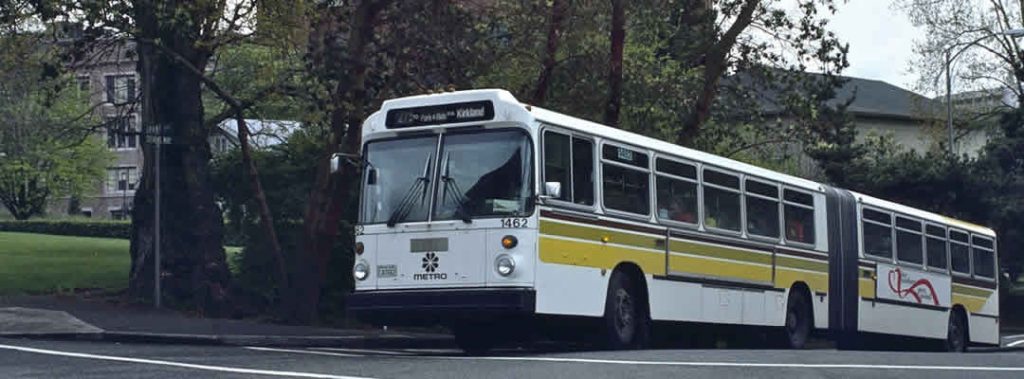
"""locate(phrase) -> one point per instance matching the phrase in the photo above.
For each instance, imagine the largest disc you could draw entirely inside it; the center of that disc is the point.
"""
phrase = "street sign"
(158, 134)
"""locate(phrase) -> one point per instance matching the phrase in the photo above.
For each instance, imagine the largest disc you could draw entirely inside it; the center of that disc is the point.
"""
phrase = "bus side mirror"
(371, 177)
(335, 163)
(553, 190)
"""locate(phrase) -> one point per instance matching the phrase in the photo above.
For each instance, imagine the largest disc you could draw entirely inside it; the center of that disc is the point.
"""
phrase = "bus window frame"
(892, 234)
(995, 260)
(778, 208)
(920, 234)
(739, 191)
(700, 193)
(600, 182)
(945, 242)
(782, 215)
(572, 185)
(970, 255)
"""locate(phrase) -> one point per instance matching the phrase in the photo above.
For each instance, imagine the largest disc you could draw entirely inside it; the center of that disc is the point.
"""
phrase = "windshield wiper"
(410, 199)
(457, 194)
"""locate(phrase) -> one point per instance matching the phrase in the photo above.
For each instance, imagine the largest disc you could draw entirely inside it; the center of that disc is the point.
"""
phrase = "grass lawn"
(40, 263)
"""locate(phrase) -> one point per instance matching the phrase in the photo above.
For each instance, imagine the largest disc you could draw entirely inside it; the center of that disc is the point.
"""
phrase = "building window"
(121, 133)
(83, 84)
(121, 180)
(120, 89)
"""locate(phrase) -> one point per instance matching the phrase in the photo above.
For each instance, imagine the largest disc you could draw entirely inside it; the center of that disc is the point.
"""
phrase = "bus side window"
(556, 162)
(877, 229)
(798, 214)
(582, 171)
(959, 252)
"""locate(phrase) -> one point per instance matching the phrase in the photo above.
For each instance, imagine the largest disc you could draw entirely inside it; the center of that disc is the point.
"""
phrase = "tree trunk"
(618, 42)
(559, 8)
(715, 63)
(194, 271)
(331, 192)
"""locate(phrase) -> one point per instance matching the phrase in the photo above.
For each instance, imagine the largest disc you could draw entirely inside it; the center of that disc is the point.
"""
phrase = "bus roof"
(924, 215)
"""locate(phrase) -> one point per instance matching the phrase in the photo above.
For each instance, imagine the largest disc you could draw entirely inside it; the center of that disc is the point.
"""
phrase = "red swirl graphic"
(896, 285)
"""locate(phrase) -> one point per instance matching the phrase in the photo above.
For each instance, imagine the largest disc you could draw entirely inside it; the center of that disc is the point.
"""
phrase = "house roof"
(873, 98)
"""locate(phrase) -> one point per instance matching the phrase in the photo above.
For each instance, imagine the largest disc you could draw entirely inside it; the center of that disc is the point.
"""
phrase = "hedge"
(104, 229)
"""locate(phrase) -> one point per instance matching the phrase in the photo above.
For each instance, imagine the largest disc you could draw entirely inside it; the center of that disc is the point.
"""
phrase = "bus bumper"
(433, 306)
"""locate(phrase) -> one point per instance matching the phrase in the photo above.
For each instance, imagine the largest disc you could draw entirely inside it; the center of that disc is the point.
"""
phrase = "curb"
(374, 342)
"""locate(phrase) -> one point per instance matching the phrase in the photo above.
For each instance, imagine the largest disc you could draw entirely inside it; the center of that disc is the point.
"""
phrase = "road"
(83, 359)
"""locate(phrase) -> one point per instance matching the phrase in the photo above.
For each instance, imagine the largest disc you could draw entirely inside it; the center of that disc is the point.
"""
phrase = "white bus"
(480, 212)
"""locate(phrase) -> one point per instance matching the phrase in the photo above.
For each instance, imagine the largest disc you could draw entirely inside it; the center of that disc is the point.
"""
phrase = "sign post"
(156, 135)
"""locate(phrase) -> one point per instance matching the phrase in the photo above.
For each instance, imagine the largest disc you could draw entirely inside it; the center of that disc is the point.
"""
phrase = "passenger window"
(676, 191)
(959, 252)
(762, 209)
(984, 257)
(626, 188)
(721, 200)
(909, 247)
(935, 245)
(798, 213)
(575, 174)
(877, 233)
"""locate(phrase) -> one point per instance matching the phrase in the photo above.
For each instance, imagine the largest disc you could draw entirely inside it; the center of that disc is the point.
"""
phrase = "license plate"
(387, 271)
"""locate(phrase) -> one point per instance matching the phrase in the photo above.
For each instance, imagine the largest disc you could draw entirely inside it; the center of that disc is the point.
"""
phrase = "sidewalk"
(97, 319)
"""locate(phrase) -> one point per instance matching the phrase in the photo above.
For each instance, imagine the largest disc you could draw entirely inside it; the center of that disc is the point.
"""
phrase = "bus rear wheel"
(798, 321)
(625, 321)
(956, 332)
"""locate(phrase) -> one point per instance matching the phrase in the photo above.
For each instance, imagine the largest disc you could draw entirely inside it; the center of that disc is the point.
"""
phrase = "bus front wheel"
(625, 320)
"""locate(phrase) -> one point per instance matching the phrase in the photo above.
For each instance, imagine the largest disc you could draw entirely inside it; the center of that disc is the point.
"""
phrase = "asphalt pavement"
(25, 358)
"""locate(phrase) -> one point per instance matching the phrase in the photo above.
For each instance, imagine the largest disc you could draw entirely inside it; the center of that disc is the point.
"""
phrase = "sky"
(881, 40)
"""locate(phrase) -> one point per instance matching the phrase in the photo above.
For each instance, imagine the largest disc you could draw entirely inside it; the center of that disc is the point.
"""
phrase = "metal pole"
(949, 104)
(124, 195)
(156, 250)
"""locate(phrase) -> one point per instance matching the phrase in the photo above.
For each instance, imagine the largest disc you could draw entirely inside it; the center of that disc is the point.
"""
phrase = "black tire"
(799, 321)
(473, 340)
(956, 332)
(625, 317)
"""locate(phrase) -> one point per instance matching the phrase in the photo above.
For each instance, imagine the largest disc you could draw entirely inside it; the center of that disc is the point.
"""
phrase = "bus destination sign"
(439, 114)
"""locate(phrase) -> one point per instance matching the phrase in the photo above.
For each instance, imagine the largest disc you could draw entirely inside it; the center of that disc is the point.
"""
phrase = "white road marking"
(692, 364)
(313, 352)
(310, 352)
(363, 351)
(1015, 343)
(236, 370)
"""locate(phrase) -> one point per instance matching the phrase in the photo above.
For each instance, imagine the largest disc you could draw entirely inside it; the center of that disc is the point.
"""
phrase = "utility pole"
(156, 249)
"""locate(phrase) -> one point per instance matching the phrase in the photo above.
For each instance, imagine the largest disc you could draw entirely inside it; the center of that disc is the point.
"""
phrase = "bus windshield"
(479, 174)
(484, 174)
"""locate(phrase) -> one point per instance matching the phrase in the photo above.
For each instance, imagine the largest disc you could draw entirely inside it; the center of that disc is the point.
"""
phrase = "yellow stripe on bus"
(597, 255)
(971, 291)
(972, 304)
(816, 282)
(866, 287)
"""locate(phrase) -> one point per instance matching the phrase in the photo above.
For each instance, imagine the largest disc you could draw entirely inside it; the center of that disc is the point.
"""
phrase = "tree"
(617, 40)
(46, 144)
(558, 11)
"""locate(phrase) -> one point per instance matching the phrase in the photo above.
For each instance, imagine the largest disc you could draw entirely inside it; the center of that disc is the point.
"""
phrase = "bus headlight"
(505, 265)
(361, 271)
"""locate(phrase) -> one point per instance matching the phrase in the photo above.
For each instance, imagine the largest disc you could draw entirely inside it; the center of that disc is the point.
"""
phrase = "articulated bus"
(478, 212)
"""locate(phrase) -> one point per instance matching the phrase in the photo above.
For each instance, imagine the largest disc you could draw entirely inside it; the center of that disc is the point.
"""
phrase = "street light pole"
(124, 194)
(1012, 33)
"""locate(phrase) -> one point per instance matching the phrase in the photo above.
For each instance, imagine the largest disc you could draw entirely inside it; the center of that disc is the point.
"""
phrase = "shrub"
(103, 229)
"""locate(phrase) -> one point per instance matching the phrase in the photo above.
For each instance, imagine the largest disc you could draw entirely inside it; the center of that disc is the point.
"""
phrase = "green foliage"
(35, 264)
(102, 229)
